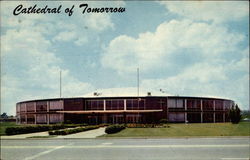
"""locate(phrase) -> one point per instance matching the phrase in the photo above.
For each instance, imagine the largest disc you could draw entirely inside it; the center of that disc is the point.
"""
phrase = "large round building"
(124, 109)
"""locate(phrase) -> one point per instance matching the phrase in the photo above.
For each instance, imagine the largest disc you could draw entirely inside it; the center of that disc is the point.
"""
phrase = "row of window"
(39, 106)
(196, 104)
(129, 104)
(40, 118)
(116, 118)
(196, 117)
(115, 104)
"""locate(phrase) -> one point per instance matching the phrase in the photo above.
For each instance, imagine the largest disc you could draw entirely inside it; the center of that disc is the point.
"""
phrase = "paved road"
(126, 149)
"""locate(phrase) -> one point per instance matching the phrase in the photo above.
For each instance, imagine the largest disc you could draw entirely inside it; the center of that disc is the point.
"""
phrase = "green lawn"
(4, 125)
(188, 130)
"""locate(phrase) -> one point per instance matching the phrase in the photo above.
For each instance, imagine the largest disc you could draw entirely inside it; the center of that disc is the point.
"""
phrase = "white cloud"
(81, 40)
(31, 70)
(216, 11)
(65, 36)
(99, 22)
(30, 67)
(204, 79)
(78, 28)
(152, 51)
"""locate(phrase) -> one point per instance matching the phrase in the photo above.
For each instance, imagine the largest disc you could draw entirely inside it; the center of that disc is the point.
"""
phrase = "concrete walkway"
(87, 134)
(21, 136)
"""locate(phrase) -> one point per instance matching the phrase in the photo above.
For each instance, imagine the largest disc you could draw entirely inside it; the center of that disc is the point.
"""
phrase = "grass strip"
(187, 130)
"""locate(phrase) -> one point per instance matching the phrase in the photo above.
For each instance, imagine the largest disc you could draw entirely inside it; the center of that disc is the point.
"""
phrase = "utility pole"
(138, 82)
(60, 84)
(138, 91)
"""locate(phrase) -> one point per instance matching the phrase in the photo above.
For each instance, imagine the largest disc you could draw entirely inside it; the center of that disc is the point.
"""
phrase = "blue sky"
(185, 48)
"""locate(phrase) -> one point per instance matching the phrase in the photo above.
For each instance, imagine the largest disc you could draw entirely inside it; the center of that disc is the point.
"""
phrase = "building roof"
(130, 92)
(124, 92)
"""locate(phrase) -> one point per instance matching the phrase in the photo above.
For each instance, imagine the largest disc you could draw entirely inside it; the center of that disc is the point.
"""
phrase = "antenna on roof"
(162, 91)
(97, 94)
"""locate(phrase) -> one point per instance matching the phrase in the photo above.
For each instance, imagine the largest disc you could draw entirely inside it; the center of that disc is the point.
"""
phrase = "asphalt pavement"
(126, 149)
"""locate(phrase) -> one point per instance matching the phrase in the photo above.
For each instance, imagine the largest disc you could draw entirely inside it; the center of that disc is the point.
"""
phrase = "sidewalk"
(87, 134)
(22, 136)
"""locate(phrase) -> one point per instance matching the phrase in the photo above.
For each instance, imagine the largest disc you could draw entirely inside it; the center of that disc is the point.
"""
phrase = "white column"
(25, 117)
(104, 105)
(47, 106)
(185, 105)
(47, 111)
(214, 104)
(63, 105)
(125, 104)
(201, 106)
(104, 115)
(35, 106)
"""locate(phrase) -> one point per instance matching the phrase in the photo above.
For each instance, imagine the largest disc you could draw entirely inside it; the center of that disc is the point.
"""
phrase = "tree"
(234, 114)
(4, 115)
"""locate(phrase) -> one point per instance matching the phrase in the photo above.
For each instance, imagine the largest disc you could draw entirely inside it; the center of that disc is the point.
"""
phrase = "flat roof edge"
(188, 97)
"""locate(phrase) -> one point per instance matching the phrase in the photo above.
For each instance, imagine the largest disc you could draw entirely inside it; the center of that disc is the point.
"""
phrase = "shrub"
(134, 125)
(163, 121)
(68, 122)
(31, 129)
(114, 129)
(75, 125)
(234, 114)
(71, 131)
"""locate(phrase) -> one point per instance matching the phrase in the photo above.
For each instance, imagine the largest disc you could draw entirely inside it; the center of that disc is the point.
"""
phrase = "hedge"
(134, 125)
(163, 121)
(114, 128)
(71, 131)
(38, 128)
(75, 125)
